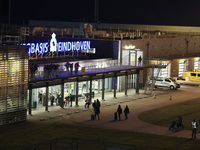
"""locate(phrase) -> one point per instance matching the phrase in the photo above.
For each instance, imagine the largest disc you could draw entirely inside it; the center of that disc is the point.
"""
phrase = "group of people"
(42, 98)
(119, 112)
(69, 67)
(178, 123)
(68, 99)
(52, 99)
(51, 70)
(32, 69)
(96, 105)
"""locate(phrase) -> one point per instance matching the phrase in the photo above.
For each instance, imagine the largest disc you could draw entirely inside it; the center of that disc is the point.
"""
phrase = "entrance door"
(132, 58)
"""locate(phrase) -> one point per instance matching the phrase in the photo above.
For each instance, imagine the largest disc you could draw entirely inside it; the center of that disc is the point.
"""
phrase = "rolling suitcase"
(115, 116)
(92, 117)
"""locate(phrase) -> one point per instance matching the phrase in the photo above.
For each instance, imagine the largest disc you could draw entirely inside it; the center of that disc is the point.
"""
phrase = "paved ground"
(137, 103)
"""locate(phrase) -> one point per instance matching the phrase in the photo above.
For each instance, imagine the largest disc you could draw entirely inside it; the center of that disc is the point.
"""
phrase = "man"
(40, 98)
(71, 67)
(139, 60)
(96, 107)
(67, 66)
(119, 111)
(76, 67)
(51, 99)
(194, 129)
(87, 102)
(126, 112)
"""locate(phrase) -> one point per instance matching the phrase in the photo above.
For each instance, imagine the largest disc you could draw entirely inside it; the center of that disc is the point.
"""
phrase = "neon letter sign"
(60, 46)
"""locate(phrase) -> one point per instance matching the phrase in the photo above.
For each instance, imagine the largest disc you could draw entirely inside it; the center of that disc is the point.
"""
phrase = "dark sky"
(148, 12)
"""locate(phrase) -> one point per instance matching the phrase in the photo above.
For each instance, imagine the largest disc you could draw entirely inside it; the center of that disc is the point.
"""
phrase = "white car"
(166, 82)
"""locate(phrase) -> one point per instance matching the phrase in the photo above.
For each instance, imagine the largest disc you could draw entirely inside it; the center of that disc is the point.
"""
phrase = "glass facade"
(13, 84)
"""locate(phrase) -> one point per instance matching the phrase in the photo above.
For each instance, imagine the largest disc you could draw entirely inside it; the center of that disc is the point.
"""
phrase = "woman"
(119, 111)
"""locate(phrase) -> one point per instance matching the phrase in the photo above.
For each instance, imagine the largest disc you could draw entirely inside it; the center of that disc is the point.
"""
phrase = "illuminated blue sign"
(60, 46)
(53, 43)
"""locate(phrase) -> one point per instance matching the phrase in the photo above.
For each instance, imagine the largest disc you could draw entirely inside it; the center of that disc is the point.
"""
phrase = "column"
(62, 93)
(90, 88)
(76, 91)
(47, 95)
(99, 86)
(137, 81)
(30, 100)
(103, 86)
(115, 84)
(126, 83)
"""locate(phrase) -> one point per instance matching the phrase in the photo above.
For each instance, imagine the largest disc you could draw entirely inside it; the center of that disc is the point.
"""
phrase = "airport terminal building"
(108, 57)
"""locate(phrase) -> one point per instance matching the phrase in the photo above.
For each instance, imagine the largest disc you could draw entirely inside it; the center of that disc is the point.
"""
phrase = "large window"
(165, 72)
(196, 64)
(182, 67)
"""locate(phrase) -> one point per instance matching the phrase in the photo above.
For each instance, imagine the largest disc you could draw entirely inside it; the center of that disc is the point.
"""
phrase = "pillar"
(30, 100)
(137, 81)
(47, 94)
(90, 88)
(62, 93)
(126, 83)
(76, 91)
(103, 86)
(115, 84)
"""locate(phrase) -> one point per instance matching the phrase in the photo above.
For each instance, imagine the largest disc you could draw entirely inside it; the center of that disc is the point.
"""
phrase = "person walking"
(52, 99)
(126, 112)
(180, 122)
(87, 102)
(70, 100)
(98, 103)
(96, 107)
(194, 129)
(119, 111)
(40, 97)
(44, 99)
(67, 98)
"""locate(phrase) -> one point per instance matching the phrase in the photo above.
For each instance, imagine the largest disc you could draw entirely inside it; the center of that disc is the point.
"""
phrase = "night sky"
(126, 11)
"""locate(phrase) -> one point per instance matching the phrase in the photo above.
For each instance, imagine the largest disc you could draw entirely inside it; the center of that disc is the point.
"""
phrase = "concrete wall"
(174, 68)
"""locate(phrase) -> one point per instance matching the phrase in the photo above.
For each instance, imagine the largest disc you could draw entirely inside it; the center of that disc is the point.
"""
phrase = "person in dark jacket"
(126, 111)
(52, 99)
(96, 109)
(119, 111)
(98, 103)
(40, 98)
(71, 67)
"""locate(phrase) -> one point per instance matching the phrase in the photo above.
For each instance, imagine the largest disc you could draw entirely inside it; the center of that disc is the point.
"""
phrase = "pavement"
(137, 104)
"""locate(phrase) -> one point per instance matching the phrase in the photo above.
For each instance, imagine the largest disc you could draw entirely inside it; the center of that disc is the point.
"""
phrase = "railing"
(90, 67)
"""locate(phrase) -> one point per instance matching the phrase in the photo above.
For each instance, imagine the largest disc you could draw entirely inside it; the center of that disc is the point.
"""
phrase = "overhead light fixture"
(129, 47)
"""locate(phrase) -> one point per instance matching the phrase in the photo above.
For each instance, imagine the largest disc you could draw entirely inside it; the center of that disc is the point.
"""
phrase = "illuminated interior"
(13, 84)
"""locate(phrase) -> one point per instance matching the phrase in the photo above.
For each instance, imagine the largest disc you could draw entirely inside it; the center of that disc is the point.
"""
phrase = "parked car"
(166, 82)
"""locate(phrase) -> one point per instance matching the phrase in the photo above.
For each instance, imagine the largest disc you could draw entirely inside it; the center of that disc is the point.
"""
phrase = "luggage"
(92, 117)
(115, 116)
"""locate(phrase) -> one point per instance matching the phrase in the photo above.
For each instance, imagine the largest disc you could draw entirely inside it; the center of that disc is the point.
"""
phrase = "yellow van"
(192, 76)
(197, 70)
